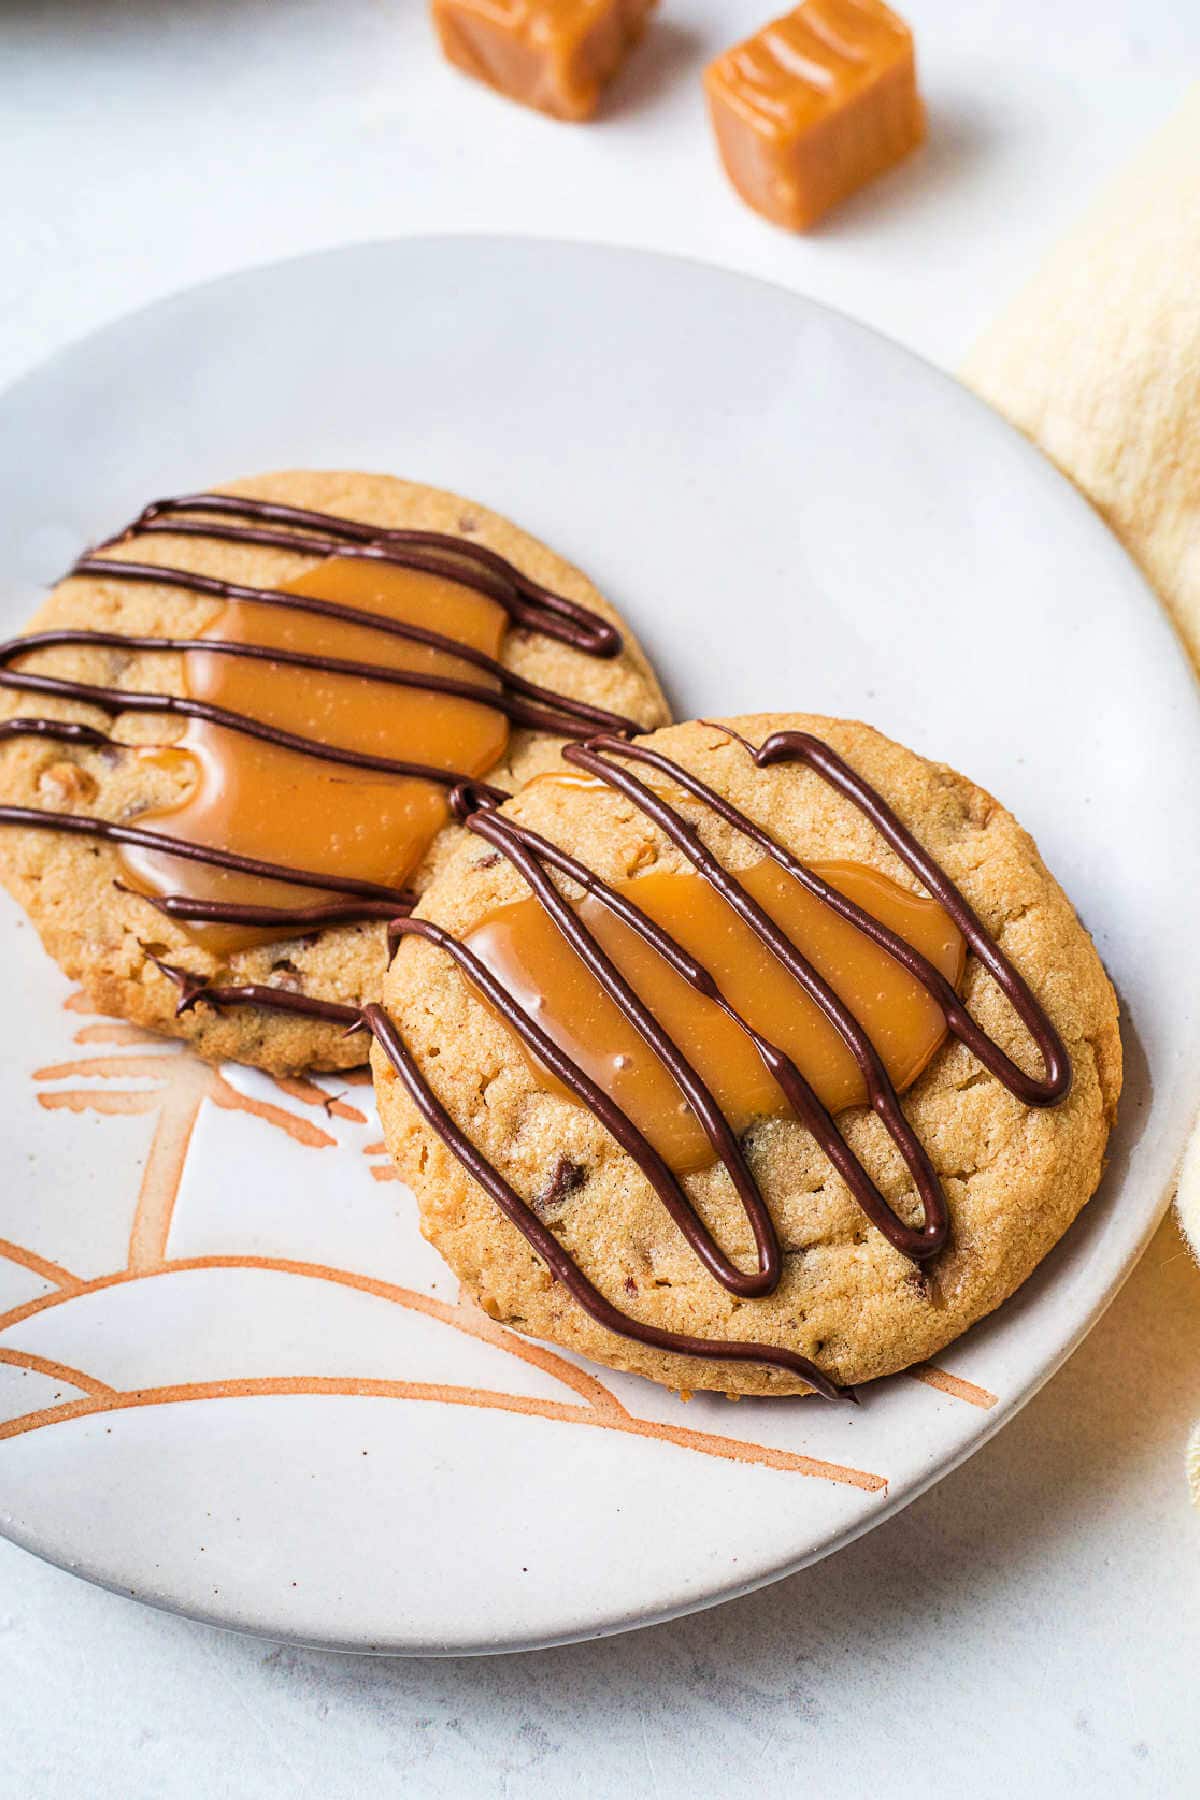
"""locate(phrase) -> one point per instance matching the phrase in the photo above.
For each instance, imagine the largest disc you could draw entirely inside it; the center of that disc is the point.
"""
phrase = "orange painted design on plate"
(954, 1385)
(56, 1371)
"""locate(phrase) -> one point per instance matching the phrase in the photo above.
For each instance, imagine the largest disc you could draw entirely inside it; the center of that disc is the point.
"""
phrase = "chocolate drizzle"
(526, 601)
(298, 918)
(532, 855)
(59, 731)
(240, 519)
(35, 820)
(193, 988)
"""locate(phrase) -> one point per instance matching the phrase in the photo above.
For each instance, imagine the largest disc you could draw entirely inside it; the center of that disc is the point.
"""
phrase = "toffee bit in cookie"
(814, 105)
(567, 1179)
(66, 784)
(285, 974)
(553, 55)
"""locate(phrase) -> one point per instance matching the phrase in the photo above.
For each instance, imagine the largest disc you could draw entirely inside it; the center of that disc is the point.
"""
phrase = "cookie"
(797, 1239)
(291, 740)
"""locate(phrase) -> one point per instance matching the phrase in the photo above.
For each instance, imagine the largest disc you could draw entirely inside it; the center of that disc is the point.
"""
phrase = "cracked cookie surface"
(1014, 1176)
(106, 938)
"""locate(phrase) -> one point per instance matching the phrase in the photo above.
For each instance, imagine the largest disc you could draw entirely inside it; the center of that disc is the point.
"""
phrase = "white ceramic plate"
(235, 1380)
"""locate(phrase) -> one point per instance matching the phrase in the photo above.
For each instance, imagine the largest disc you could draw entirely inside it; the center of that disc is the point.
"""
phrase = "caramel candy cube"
(555, 55)
(814, 105)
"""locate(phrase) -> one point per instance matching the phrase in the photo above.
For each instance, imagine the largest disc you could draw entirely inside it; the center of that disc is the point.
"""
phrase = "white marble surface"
(1031, 1627)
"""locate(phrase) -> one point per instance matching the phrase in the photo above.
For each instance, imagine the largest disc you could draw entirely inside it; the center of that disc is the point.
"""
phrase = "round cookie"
(108, 939)
(1014, 1176)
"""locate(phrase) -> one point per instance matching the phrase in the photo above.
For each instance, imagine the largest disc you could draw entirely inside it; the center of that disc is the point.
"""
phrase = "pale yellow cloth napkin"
(1098, 361)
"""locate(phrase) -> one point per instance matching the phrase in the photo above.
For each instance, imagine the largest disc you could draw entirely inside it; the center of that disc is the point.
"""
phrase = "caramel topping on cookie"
(814, 105)
(325, 721)
(266, 801)
(525, 950)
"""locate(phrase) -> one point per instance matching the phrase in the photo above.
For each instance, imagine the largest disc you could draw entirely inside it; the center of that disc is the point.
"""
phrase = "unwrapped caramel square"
(814, 105)
(555, 55)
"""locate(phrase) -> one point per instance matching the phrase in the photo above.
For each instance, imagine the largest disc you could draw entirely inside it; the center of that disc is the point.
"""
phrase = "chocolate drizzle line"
(302, 918)
(193, 988)
(526, 601)
(62, 731)
(296, 529)
(531, 854)
(33, 819)
(569, 718)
